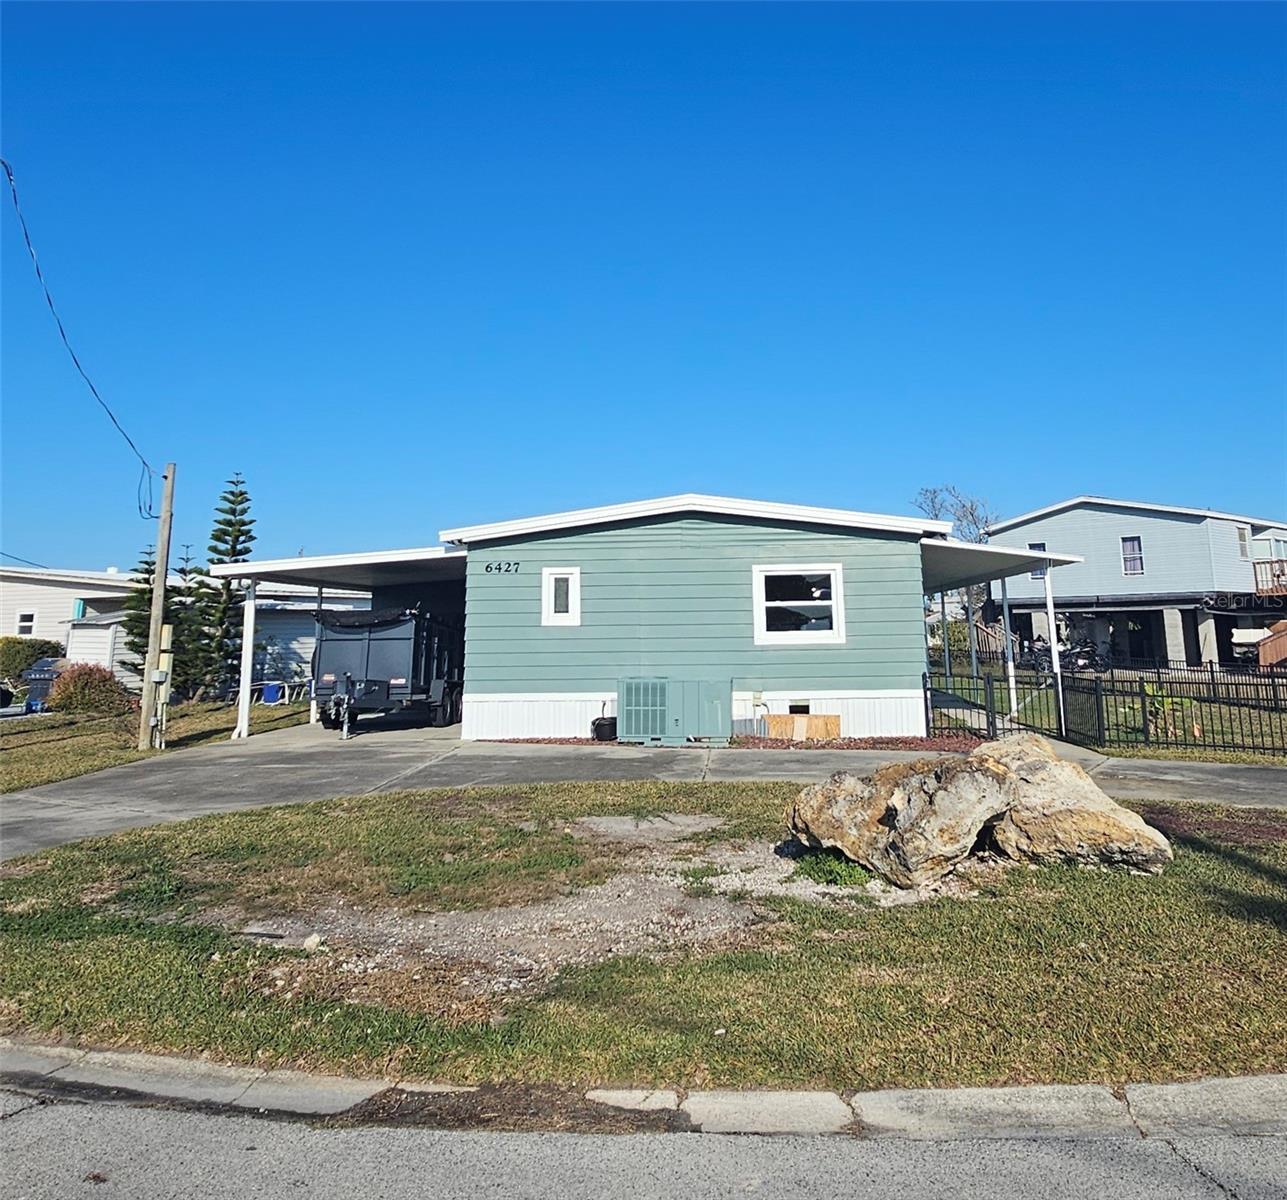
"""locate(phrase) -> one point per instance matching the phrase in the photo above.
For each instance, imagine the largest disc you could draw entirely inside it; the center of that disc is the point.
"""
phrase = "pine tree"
(230, 542)
(190, 601)
(138, 612)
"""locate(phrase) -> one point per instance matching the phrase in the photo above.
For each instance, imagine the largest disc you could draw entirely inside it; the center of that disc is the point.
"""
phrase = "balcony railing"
(1271, 576)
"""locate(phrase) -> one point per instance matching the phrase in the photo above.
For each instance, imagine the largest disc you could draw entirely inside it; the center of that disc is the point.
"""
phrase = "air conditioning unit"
(671, 712)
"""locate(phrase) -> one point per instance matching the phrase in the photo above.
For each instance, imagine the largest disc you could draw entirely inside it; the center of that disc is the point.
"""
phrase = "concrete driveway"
(309, 763)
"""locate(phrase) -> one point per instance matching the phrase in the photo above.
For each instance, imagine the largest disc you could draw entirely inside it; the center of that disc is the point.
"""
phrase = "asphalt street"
(57, 1150)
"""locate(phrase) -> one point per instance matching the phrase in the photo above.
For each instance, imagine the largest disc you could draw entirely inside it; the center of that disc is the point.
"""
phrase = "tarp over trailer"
(376, 572)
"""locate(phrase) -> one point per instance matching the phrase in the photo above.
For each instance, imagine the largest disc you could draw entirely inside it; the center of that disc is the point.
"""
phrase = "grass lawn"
(46, 748)
(1055, 974)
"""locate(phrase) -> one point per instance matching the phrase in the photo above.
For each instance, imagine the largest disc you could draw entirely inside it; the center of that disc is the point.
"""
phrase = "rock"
(312, 942)
(1061, 815)
(912, 823)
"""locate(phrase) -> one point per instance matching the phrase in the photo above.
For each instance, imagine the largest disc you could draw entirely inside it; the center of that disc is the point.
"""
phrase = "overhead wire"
(143, 492)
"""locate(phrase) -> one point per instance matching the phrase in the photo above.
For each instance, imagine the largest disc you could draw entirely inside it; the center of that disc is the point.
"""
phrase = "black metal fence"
(1186, 708)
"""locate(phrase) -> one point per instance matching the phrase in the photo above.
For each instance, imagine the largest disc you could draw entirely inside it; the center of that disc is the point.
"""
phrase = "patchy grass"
(1175, 754)
(50, 747)
(831, 867)
(1051, 975)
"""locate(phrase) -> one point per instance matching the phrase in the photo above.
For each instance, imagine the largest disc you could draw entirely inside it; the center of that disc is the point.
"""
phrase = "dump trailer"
(385, 661)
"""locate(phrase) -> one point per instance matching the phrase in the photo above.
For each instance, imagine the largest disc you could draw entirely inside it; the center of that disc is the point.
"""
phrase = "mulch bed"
(962, 743)
(938, 745)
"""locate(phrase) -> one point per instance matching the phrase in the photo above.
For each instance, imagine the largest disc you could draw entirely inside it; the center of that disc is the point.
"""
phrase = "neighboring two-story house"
(1159, 582)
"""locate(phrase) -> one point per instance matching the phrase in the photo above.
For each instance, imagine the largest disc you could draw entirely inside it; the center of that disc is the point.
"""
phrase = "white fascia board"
(1140, 505)
(278, 566)
(693, 502)
(993, 548)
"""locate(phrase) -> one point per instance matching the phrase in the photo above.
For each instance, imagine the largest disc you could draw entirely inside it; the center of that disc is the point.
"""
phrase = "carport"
(392, 578)
(948, 565)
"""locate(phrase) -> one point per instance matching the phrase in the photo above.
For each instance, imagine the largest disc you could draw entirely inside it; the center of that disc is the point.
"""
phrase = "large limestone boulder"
(912, 823)
(1061, 815)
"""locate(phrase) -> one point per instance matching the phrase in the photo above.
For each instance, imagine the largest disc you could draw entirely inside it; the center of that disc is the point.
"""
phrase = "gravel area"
(673, 893)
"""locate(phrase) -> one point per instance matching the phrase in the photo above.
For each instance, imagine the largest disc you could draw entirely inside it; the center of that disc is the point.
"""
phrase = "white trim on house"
(1143, 506)
(32, 615)
(495, 716)
(693, 502)
(549, 615)
(835, 636)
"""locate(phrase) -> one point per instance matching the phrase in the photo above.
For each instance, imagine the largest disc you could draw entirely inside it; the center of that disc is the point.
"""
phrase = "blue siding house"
(1158, 582)
(787, 608)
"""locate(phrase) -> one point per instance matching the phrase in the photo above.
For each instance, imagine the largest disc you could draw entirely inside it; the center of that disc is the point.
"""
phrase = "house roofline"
(693, 502)
(1109, 502)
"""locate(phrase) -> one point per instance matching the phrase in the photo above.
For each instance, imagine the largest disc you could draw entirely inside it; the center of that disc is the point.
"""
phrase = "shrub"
(89, 688)
(18, 653)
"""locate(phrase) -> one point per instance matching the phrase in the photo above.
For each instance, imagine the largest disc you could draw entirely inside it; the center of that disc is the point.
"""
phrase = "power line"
(145, 478)
(25, 561)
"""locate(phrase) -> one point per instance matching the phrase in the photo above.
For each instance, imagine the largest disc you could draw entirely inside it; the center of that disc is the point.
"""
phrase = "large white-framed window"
(1244, 541)
(1132, 556)
(560, 595)
(1037, 572)
(799, 604)
(25, 625)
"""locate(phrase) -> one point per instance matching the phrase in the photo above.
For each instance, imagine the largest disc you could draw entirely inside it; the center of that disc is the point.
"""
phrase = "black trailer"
(385, 661)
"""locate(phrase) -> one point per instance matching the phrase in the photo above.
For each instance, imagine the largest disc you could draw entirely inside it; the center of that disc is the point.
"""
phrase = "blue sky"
(409, 267)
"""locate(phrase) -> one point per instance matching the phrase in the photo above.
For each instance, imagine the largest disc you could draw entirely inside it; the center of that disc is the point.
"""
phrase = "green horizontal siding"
(674, 597)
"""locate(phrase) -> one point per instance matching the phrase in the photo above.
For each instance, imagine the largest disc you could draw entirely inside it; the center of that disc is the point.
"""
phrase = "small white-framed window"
(799, 604)
(1037, 572)
(1244, 541)
(560, 595)
(1132, 556)
(25, 626)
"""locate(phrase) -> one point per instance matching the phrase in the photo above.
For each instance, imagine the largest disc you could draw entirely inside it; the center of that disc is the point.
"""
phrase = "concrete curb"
(1250, 1106)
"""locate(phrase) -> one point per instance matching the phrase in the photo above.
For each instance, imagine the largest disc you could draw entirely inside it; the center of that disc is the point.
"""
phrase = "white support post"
(242, 729)
(1054, 650)
(1009, 648)
(969, 627)
(312, 683)
(947, 650)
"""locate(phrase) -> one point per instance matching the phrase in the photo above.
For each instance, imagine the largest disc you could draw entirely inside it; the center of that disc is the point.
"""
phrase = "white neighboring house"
(84, 610)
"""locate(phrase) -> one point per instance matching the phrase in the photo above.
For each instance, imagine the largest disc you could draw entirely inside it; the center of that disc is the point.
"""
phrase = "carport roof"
(361, 572)
(947, 564)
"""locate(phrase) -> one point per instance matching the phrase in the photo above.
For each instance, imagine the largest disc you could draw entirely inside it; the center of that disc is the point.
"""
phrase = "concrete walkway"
(309, 763)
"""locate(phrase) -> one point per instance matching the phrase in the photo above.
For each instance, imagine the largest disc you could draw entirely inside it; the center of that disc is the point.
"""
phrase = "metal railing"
(1271, 576)
(1190, 709)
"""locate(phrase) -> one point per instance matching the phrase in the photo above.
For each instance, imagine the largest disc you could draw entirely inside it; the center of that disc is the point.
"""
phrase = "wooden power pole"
(147, 713)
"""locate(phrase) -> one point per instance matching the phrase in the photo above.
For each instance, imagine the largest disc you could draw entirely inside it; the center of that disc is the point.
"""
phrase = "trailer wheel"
(442, 712)
(457, 706)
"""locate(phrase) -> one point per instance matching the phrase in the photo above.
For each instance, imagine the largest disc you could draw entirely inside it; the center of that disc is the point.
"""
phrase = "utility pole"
(147, 712)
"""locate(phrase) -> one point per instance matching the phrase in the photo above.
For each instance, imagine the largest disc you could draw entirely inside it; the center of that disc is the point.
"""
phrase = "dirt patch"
(351, 974)
(500, 951)
(1249, 827)
(516, 1108)
(669, 827)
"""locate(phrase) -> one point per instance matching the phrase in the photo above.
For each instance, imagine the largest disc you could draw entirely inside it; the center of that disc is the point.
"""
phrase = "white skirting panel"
(893, 712)
(491, 716)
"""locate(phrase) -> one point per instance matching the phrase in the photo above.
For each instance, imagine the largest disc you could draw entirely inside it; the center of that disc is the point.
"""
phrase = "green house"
(770, 608)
